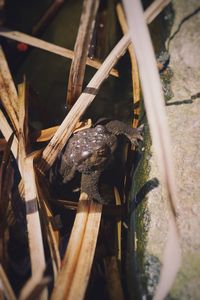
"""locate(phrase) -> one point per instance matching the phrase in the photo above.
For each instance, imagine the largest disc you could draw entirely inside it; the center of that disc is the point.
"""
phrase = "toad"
(90, 151)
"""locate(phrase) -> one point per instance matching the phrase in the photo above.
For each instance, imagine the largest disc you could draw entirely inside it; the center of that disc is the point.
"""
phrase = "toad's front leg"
(89, 185)
(133, 134)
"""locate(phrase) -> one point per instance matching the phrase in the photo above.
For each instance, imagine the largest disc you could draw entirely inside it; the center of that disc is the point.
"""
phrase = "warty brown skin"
(90, 151)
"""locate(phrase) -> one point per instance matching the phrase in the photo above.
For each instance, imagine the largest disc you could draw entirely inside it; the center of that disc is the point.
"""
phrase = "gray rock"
(184, 123)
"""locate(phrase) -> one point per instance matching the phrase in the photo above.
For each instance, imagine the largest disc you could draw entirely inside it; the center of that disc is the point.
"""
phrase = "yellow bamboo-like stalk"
(134, 66)
(154, 9)
(5, 286)
(7, 131)
(38, 43)
(114, 285)
(52, 235)
(46, 134)
(81, 48)
(119, 226)
(65, 276)
(8, 93)
(83, 267)
(35, 287)
(35, 241)
(2, 143)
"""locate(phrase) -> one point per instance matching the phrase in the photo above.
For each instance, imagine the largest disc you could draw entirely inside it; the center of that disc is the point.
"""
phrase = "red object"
(22, 47)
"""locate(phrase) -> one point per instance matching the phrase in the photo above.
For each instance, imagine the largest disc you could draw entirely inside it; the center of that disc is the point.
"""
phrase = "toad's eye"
(100, 128)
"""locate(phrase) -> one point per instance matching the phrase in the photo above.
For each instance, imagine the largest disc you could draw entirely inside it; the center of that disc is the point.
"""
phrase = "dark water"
(47, 73)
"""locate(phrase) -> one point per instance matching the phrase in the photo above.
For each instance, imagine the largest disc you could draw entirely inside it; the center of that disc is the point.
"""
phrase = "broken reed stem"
(47, 16)
(86, 256)
(8, 93)
(46, 215)
(83, 39)
(65, 276)
(119, 226)
(35, 241)
(7, 131)
(155, 9)
(2, 143)
(35, 287)
(5, 286)
(113, 279)
(134, 66)
(36, 247)
(35, 42)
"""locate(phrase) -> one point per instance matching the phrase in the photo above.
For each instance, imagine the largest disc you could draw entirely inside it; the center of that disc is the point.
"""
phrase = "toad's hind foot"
(89, 185)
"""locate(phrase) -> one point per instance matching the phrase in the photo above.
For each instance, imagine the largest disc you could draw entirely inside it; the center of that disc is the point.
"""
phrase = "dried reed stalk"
(38, 43)
(7, 131)
(154, 9)
(119, 226)
(35, 287)
(51, 234)
(2, 144)
(83, 39)
(86, 255)
(113, 280)
(47, 16)
(65, 276)
(6, 183)
(5, 286)
(155, 109)
(8, 93)
(28, 177)
(134, 66)
(46, 134)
